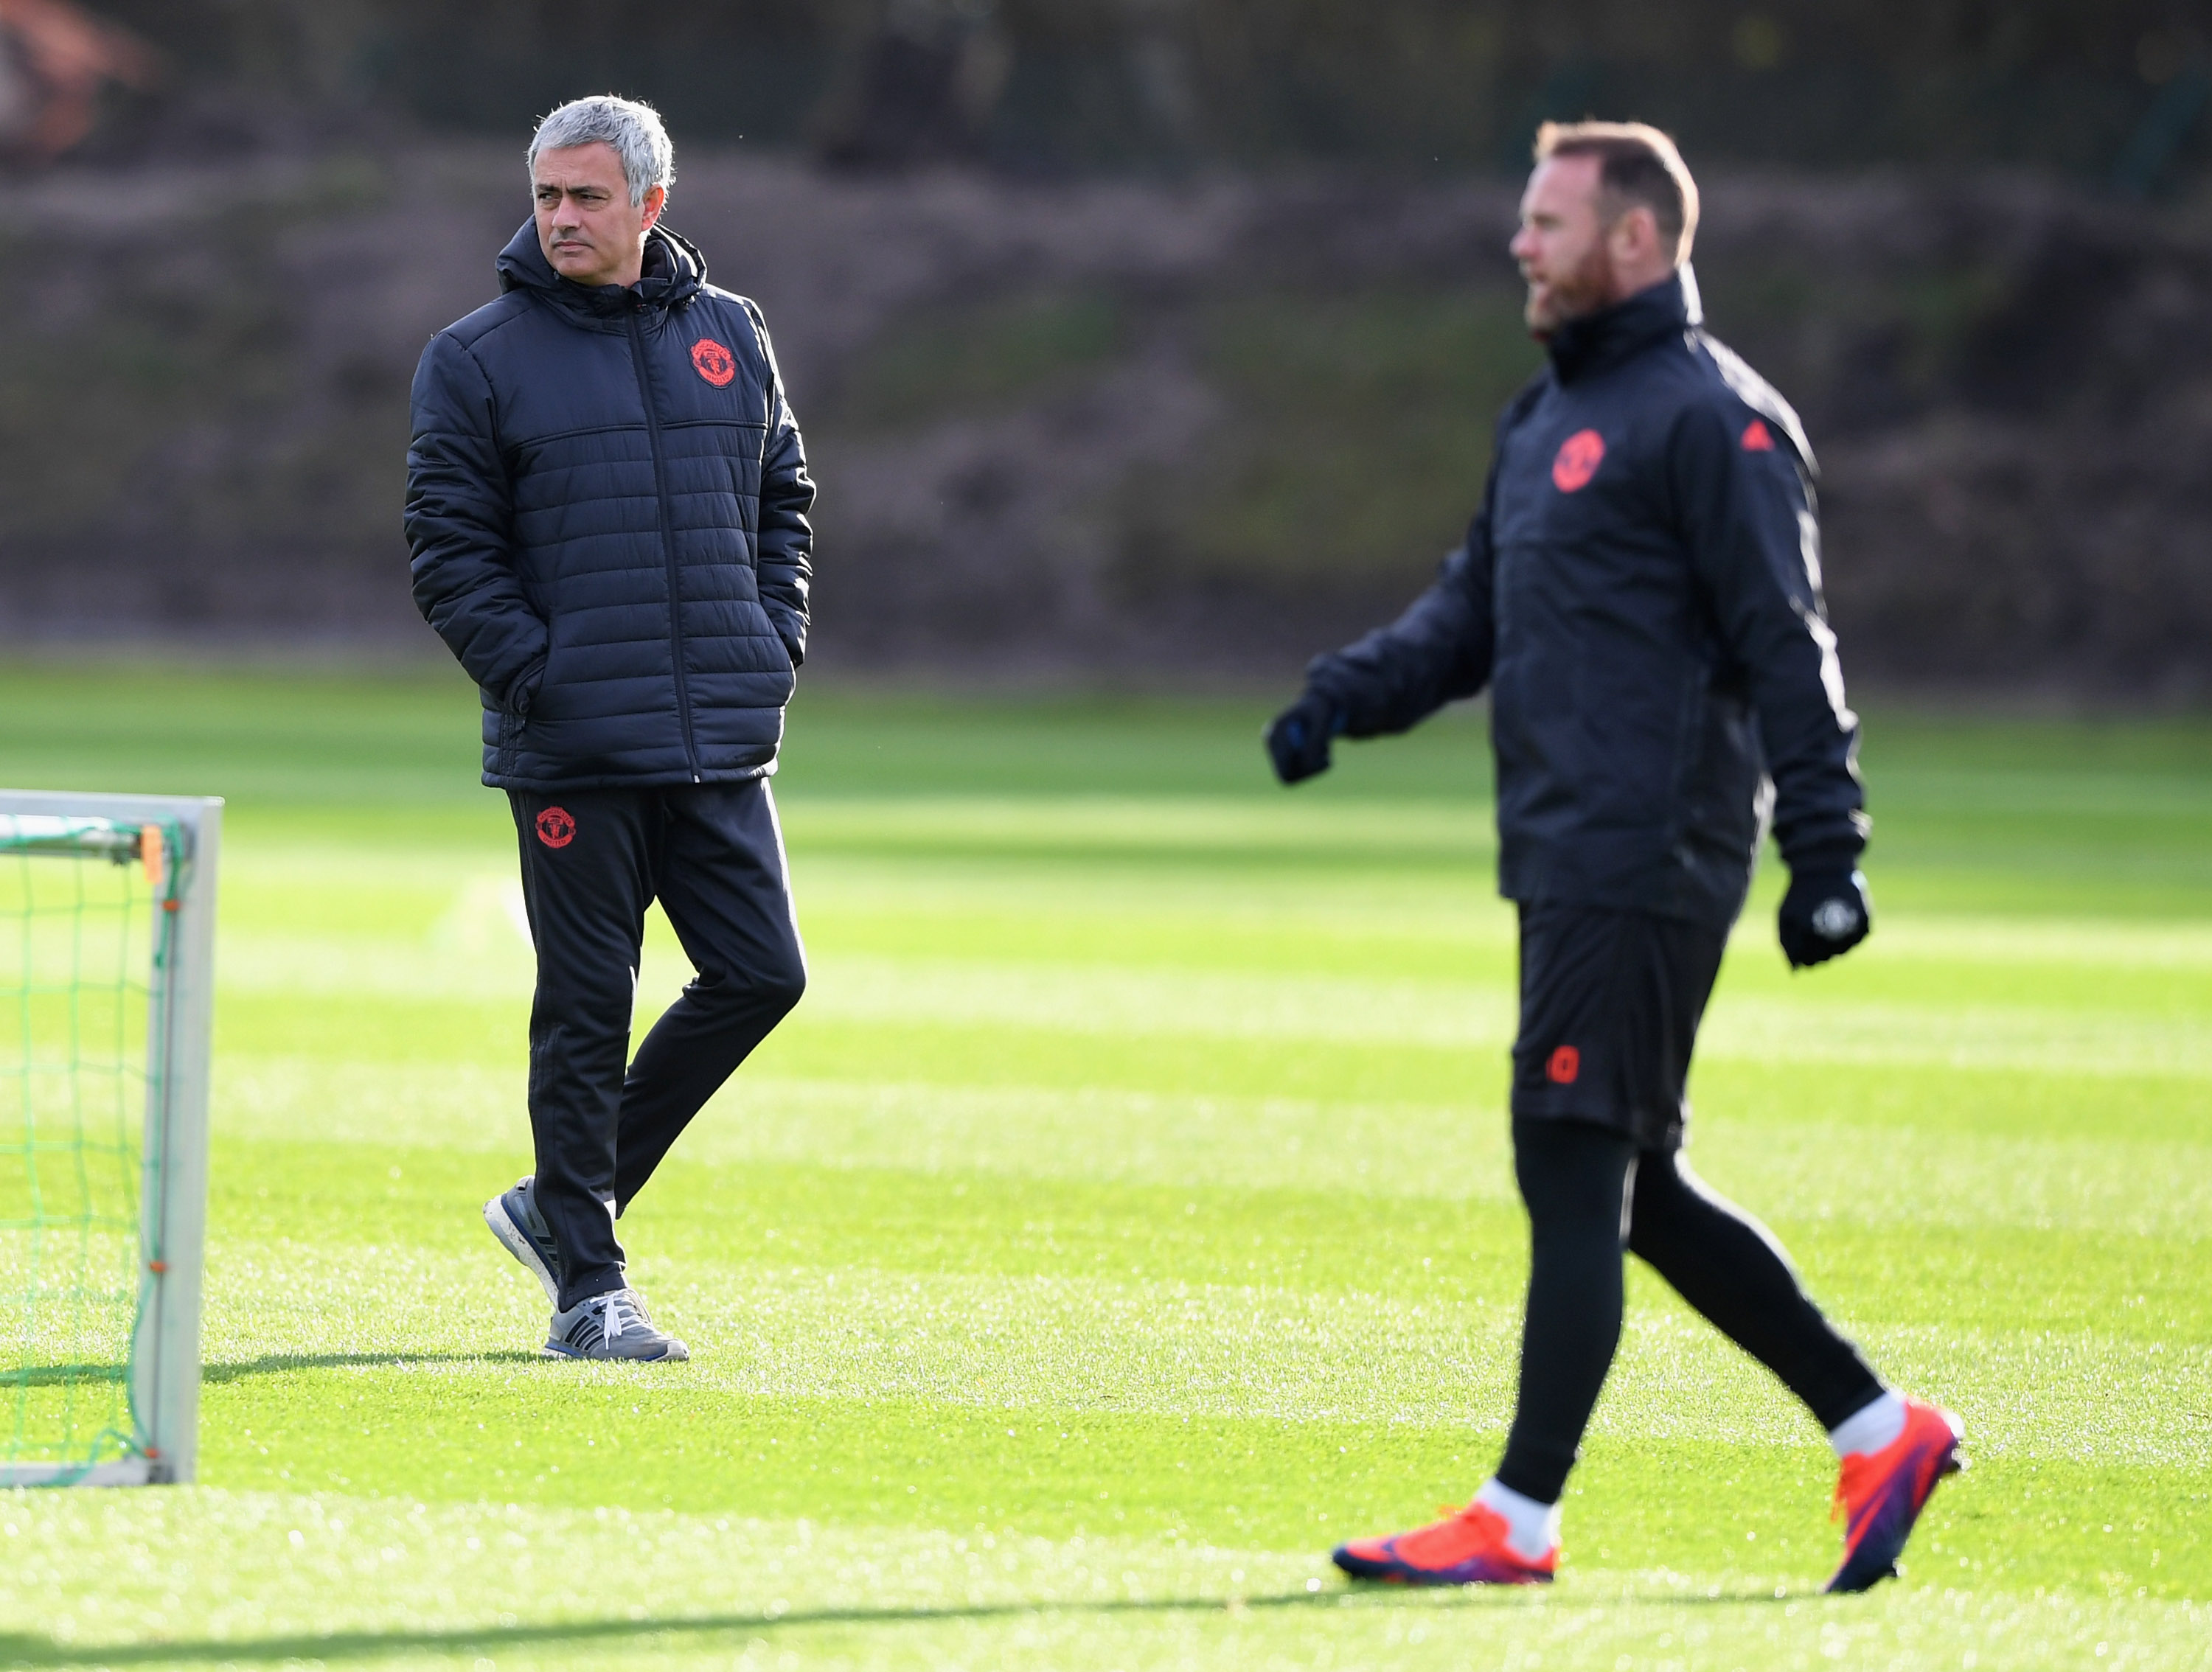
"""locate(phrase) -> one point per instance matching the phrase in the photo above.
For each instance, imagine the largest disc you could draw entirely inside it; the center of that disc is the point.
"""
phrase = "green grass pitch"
(1125, 1218)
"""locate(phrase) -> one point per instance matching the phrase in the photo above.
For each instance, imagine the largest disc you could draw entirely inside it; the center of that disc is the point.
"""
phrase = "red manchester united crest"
(554, 828)
(715, 363)
(1579, 456)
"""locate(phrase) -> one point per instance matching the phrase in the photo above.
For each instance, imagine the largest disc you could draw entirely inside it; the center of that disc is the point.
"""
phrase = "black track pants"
(593, 860)
(1589, 1192)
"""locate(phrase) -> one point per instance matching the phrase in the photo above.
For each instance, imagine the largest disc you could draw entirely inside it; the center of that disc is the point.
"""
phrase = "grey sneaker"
(611, 1326)
(513, 1218)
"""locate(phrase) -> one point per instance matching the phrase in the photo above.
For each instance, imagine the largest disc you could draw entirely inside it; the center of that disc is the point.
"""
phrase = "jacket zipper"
(667, 544)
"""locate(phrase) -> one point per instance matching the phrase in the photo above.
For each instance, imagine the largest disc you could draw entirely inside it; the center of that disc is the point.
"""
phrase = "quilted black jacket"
(1641, 591)
(606, 502)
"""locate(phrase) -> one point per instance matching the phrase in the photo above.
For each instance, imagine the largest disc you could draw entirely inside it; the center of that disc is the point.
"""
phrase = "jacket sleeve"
(1438, 651)
(459, 524)
(787, 538)
(1747, 515)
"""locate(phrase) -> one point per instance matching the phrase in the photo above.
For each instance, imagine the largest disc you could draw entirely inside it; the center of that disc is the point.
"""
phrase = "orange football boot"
(1467, 1547)
(1882, 1493)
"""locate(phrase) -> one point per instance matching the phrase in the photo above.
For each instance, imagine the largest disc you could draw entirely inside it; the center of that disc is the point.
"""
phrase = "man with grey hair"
(607, 505)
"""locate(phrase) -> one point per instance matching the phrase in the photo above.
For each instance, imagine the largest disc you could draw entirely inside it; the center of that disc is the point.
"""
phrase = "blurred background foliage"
(1456, 84)
(1158, 335)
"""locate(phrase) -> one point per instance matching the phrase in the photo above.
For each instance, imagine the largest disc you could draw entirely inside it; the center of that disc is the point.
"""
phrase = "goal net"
(106, 908)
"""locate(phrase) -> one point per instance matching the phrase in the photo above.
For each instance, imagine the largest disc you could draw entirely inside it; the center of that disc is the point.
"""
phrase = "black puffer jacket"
(1641, 591)
(606, 501)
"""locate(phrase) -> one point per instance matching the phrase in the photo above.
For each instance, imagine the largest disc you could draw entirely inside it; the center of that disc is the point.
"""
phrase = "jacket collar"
(675, 272)
(1598, 341)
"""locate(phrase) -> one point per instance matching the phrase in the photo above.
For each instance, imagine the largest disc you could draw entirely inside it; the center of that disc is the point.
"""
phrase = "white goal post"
(55, 1354)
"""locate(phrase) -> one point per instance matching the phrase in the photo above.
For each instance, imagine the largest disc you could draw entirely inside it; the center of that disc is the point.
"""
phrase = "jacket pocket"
(1686, 783)
(522, 690)
(785, 663)
(787, 675)
(545, 701)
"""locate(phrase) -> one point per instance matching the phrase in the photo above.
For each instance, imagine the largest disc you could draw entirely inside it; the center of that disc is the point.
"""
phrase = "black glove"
(1298, 741)
(1826, 913)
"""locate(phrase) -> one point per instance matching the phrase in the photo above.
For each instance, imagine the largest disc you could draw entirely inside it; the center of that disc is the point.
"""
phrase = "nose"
(1523, 246)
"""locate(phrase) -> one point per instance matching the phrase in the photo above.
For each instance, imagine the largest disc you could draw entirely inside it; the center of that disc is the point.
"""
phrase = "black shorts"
(1610, 1003)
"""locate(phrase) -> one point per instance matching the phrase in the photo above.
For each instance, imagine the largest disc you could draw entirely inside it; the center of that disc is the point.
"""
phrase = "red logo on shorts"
(715, 363)
(1580, 455)
(1566, 1064)
(554, 828)
(1755, 437)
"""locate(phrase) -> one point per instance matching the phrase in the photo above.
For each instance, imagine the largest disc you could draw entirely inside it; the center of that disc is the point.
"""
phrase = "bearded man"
(1641, 593)
(606, 501)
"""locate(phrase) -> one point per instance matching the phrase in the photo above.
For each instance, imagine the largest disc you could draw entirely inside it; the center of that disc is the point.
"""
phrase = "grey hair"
(631, 125)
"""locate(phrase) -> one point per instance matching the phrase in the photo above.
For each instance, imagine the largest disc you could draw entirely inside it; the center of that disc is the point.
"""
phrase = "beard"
(1584, 289)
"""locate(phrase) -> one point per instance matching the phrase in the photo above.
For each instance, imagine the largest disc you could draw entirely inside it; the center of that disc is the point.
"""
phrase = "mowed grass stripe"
(1450, 1152)
(862, 1283)
(1133, 1002)
(706, 1589)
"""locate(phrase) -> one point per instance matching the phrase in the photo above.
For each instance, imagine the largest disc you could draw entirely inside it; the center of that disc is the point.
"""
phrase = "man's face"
(587, 227)
(1564, 246)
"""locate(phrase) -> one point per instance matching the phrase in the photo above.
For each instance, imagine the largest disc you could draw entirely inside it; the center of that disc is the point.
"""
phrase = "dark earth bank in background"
(1171, 430)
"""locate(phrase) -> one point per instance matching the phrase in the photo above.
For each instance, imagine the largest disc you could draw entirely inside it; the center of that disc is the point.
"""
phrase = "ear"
(1635, 236)
(656, 199)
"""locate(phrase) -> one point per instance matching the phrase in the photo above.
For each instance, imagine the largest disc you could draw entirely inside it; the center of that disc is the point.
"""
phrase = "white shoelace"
(624, 1312)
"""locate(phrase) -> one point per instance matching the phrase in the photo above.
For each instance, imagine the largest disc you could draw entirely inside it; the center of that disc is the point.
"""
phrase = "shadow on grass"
(271, 1364)
(21, 1649)
(61, 1376)
(276, 1364)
